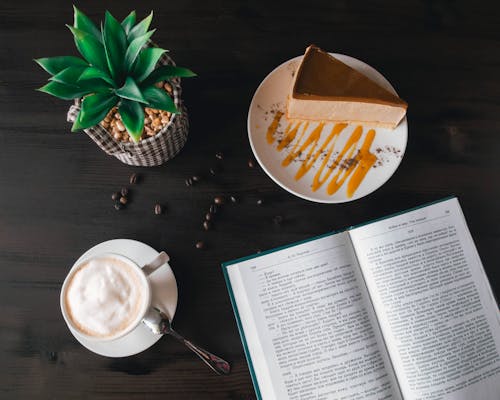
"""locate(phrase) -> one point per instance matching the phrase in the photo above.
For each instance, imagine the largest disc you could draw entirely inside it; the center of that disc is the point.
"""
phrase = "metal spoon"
(160, 324)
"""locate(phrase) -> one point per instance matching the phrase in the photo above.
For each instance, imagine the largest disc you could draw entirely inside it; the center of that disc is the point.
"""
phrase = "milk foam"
(104, 297)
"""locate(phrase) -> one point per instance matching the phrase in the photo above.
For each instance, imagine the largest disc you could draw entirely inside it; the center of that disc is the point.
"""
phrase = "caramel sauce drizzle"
(359, 163)
(310, 142)
(290, 133)
(271, 130)
(365, 162)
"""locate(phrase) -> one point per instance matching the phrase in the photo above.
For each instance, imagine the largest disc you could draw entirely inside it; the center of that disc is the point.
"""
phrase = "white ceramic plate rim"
(403, 123)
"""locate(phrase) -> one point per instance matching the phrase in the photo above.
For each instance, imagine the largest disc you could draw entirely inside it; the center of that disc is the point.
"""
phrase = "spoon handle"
(219, 365)
(159, 324)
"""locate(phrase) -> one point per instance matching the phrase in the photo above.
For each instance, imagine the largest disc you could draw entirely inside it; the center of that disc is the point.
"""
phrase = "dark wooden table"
(442, 56)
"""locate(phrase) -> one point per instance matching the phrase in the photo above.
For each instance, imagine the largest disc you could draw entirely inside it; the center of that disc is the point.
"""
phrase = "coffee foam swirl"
(104, 297)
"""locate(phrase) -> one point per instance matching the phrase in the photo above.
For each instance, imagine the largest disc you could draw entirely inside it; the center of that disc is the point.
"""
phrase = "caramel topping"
(323, 77)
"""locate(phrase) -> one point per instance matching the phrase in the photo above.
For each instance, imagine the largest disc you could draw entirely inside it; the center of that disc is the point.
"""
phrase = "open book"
(399, 308)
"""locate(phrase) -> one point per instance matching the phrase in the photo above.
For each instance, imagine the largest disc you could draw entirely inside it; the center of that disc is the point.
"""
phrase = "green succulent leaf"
(140, 29)
(95, 86)
(129, 22)
(77, 124)
(115, 45)
(54, 65)
(82, 22)
(159, 99)
(95, 73)
(134, 49)
(64, 91)
(167, 72)
(94, 109)
(90, 48)
(130, 91)
(117, 67)
(69, 75)
(97, 103)
(132, 115)
(146, 62)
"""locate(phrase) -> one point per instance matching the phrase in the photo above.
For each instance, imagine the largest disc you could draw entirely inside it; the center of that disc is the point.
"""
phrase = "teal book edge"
(242, 335)
(239, 260)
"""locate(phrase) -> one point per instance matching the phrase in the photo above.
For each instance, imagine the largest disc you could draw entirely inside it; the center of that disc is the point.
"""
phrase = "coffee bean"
(133, 178)
(219, 155)
(115, 196)
(189, 182)
(158, 209)
(213, 171)
(233, 199)
(251, 163)
(213, 208)
(123, 200)
(260, 202)
(196, 178)
(200, 245)
(208, 216)
(278, 219)
(118, 206)
(207, 225)
(52, 356)
(219, 200)
(124, 191)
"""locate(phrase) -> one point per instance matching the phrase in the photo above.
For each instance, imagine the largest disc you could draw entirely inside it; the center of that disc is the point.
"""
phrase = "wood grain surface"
(443, 56)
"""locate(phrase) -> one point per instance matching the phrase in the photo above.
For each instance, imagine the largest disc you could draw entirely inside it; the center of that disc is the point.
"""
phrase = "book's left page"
(307, 326)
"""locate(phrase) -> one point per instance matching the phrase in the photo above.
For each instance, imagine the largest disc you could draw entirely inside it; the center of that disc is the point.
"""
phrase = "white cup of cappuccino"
(106, 297)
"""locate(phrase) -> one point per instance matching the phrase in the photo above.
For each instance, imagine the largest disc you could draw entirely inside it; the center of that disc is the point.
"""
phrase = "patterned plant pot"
(154, 150)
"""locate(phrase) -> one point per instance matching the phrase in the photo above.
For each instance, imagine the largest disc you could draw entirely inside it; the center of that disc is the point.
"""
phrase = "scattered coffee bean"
(208, 216)
(213, 209)
(219, 200)
(233, 199)
(213, 171)
(123, 200)
(115, 196)
(207, 225)
(278, 219)
(124, 191)
(251, 163)
(118, 206)
(189, 181)
(219, 155)
(196, 178)
(200, 245)
(52, 356)
(260, 202)
(158, 209)
(133, 178)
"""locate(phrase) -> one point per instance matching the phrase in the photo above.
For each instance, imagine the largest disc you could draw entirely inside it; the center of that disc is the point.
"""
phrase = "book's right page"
(438, 315)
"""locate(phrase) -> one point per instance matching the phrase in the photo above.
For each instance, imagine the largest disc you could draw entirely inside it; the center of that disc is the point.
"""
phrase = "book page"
(436, 309)
(307, 325)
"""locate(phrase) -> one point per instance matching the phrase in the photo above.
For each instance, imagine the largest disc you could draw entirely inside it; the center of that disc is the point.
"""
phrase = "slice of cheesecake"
(326, 89)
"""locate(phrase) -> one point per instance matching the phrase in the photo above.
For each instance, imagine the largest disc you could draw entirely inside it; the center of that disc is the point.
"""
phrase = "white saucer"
(163, 286)
(271, 96)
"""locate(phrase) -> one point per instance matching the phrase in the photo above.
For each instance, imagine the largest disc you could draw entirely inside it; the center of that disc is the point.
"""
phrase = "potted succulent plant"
(126, 90)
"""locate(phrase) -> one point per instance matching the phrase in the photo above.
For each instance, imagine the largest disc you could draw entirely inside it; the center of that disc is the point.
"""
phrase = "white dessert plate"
(163, 287)
(271, 98)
